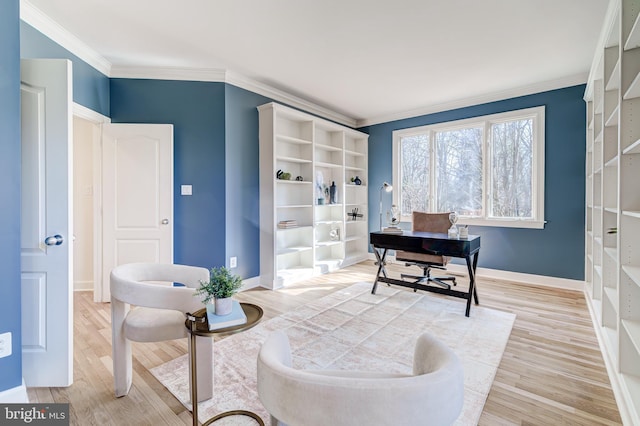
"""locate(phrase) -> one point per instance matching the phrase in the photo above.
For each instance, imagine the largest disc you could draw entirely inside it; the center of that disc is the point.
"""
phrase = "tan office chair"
(427, 222)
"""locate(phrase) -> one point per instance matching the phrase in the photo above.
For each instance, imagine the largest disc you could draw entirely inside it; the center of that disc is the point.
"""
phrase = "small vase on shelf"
(223, 306)
(333, 193)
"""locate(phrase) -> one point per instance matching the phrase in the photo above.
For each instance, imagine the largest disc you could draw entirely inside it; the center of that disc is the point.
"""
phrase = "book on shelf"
(392, 230)
(287, 224)
(236, 317)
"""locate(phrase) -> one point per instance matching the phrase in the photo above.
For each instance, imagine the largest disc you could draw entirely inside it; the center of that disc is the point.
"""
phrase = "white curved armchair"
(432, 395)
(158, 315)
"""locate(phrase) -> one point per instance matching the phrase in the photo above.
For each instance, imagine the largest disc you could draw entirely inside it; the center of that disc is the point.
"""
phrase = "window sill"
(503, 223)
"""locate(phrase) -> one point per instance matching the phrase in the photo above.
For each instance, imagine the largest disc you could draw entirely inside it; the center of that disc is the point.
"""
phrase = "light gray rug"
(353, 329)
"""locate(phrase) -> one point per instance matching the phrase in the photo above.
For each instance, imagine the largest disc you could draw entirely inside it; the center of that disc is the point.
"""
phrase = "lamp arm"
(381, 208)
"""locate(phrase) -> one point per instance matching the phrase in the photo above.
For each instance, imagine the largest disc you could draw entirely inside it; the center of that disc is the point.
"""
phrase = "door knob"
(165, 221)
(54, 240)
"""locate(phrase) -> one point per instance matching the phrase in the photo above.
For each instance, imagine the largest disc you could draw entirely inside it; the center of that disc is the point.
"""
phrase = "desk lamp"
(386, 187)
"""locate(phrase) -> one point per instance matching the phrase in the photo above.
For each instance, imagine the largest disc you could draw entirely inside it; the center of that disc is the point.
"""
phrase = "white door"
(46, 231)
(137, 196)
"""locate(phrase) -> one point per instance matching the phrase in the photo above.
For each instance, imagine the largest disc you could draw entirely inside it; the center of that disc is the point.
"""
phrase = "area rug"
(354, 329)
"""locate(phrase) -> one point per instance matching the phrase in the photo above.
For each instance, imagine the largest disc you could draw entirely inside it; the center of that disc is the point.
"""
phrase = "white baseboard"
(518, 277)
(250, 283)
(17, 395)
(83, 285)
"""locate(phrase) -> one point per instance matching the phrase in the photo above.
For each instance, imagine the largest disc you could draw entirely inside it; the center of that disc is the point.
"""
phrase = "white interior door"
(137, 196)
(46, 230)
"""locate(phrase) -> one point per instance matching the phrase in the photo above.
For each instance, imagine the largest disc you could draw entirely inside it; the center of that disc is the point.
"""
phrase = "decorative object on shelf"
(453, 231)
(393, 216)
(354, 214)
(283, 175)
(334, 234)
(357, 181)
(299, 178)
(319, 187)
(393, 219)
(333, 189)
(612, 230)
(386, 187)
(222, 285)
(286, 224)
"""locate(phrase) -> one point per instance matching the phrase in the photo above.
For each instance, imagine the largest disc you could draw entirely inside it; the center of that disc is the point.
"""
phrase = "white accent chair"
(432, 395)
(158, 315)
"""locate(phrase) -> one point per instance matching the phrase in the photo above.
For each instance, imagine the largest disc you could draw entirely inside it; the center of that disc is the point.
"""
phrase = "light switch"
(186, 190)
(5, 344)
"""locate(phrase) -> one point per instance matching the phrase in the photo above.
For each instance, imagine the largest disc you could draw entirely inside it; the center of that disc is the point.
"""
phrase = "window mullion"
(432, 171)
(486, 170)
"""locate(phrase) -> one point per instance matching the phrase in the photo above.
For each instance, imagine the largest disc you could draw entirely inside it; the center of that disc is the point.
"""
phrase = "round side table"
(197, 325)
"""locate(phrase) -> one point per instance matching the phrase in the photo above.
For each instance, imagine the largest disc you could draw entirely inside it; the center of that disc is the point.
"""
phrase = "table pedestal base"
(254, 416)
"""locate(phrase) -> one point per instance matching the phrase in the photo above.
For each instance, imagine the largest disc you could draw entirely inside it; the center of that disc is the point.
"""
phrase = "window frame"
(485, 122)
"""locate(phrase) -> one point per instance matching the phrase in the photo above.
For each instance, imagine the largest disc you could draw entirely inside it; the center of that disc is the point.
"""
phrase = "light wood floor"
(551, 373)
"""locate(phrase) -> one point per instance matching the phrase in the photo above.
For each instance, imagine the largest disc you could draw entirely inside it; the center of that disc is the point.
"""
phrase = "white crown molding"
(41, 22)
(291, 100)
(169, 73)
(481, 99)
(229, 77)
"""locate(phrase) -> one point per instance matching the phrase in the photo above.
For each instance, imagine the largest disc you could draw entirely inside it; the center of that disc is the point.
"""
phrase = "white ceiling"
(370, 60)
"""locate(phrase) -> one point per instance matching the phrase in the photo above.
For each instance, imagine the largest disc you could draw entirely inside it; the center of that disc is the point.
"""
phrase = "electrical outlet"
(233, 262)
(5, 344)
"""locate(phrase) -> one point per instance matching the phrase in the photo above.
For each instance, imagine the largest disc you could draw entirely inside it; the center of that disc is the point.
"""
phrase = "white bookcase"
(612, 240)
(322, 236)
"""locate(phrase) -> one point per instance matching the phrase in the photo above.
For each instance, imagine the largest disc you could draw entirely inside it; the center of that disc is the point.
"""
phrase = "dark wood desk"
(427, 243)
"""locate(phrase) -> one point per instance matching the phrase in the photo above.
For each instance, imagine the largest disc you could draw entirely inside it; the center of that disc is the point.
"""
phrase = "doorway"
(84, 203)
(122, 197)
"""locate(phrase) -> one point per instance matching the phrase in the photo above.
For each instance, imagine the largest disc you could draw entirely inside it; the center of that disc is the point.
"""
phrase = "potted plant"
(221, 286)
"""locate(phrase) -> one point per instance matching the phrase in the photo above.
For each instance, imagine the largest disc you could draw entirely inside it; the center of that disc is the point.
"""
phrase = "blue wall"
(558, 249)
(90, 87)
(10, 303)
(242, 179)
(197, 112)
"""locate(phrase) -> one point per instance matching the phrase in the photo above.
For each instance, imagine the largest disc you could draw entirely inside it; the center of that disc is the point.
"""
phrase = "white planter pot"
(223, 306)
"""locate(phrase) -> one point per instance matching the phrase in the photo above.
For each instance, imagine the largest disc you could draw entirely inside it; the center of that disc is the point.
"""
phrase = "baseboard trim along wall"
(83, 285)
(250, 283)
(17, 395)
(461, 270)
(518, 277)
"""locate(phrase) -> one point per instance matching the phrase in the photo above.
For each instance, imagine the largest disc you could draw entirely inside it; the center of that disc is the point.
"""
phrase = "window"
(489, 169)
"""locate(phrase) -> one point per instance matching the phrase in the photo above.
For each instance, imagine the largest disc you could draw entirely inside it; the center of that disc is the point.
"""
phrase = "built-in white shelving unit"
(612, 236)
(323, 235)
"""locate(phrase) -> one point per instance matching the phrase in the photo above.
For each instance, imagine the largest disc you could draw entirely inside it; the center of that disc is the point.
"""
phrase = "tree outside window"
(488, 169)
